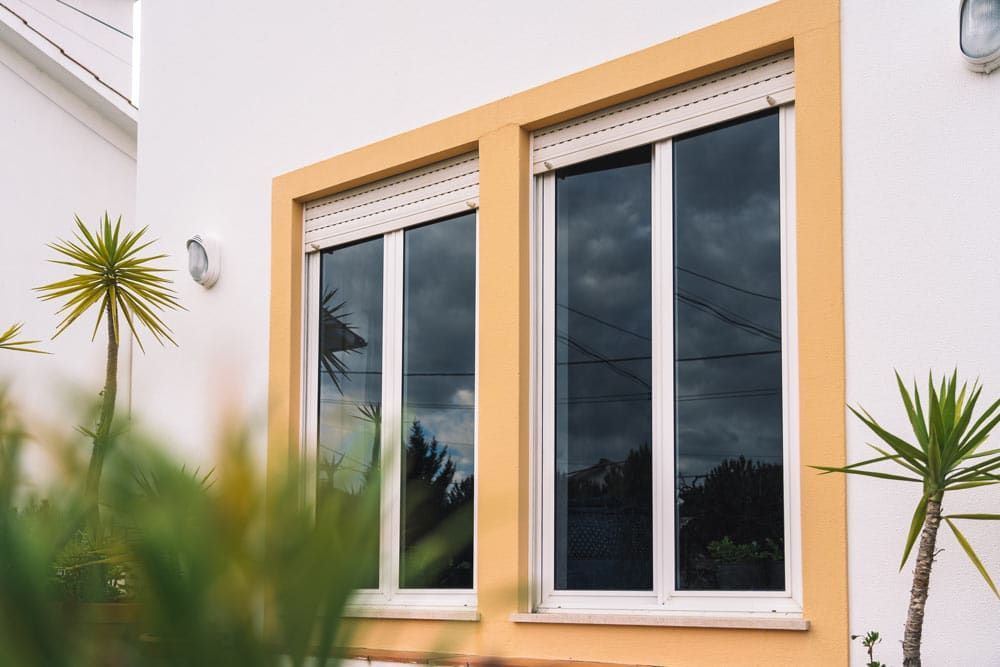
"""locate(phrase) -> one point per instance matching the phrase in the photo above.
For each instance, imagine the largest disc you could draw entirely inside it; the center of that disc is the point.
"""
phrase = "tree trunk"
(102, 437)
(921, 583)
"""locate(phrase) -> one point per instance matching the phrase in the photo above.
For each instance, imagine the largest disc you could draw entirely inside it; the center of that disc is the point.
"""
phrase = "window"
(391, 374)
(665, 356)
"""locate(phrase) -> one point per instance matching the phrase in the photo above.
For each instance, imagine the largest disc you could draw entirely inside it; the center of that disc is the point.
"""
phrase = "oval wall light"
(979, 34)
(204, 260)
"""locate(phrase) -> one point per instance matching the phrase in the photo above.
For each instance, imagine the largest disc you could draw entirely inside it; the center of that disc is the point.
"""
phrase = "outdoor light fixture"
(204, 260)
(979, 34)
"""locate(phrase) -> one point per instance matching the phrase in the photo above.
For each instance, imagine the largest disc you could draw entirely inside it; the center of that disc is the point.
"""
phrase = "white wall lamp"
(204, 259)
(979, 34)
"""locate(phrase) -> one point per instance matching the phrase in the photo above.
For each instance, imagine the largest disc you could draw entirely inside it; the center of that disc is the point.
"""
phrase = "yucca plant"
(114, 276)
(9, 341)
(946, 455)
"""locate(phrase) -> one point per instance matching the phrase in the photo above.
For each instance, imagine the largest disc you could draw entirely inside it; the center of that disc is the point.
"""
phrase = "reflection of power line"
(728, 317)
(747, 393)
(729, 285)
(604, 322)
(596, 355)
(706, 357)
(605, 360)
(345, 455)
(407, 404)
(646, 396)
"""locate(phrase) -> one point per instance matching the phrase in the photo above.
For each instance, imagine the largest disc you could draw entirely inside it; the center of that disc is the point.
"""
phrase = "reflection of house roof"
(340, 337)
(596, 473)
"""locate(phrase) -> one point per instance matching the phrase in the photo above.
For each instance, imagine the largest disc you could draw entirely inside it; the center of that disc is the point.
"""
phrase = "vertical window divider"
(310, 380)
(662, 350)
(391, 412)
(547, 427)
(789, 356)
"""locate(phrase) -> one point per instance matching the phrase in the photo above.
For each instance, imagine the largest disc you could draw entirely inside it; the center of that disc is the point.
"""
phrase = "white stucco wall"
(921, 231)
(55, 164)
(235, 93)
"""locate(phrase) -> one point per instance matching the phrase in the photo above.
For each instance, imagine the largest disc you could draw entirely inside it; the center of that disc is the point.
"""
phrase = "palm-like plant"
(9, 341)
(113, 275)
(947, 456)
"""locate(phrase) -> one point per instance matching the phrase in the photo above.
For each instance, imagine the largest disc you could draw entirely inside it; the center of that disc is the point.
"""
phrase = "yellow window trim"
(500, 132)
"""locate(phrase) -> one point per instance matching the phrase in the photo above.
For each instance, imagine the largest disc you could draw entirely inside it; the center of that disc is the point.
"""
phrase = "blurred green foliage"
(217, 570)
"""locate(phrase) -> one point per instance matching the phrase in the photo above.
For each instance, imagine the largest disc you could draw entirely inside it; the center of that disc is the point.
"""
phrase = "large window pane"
(439, 361)
(603, 418)
(350, 377)
(728, 379)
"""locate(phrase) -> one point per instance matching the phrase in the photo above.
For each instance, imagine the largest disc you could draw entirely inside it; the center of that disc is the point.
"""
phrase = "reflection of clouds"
(727, 240)
(728, 281)
(439, 342)
(603, 313)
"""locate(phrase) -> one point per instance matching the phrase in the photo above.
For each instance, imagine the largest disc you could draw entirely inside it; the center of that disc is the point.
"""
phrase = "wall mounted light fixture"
(979, 34)
(204, 259)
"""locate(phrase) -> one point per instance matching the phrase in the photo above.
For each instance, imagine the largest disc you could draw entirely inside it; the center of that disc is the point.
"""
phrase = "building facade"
(622, 267)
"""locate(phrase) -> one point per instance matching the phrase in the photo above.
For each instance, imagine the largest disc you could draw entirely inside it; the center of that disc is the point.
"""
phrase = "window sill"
(747, 622)
(412, 613)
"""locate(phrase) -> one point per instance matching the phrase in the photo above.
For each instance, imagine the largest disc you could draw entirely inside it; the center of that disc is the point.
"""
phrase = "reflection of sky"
(727, 301)
(439, 344)
(603, 309)
(727, 298)
(355, 272)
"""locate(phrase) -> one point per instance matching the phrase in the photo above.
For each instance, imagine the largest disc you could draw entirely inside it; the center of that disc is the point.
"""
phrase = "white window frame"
(664, 598)
(389, 217)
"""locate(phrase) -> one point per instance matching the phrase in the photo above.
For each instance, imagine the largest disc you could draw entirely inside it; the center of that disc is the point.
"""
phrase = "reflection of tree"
(608, 533)
(614, 483)
(739, 499)
(437, 530)
(336, 335)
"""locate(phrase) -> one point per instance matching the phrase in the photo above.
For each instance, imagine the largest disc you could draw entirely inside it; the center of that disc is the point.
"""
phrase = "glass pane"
(439, 383)
(603, 375)
(350, 378)
(727, 310)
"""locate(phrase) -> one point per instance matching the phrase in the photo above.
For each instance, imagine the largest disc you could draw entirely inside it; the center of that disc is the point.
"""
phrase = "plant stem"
(921, 584)
(102, 436)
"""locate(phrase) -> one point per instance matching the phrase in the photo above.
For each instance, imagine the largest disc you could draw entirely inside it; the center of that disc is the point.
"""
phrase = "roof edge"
(52, 60)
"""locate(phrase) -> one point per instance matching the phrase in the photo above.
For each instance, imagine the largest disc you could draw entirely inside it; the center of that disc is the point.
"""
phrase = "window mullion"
(548, 279)
(789, 337)
(663, 371)
(310, 380)
(391, 412)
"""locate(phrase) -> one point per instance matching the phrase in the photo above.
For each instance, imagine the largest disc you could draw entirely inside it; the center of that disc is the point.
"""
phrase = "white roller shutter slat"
(435, 191)
(721, 97)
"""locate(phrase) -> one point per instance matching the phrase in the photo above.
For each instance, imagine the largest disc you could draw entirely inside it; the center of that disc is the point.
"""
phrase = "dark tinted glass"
(439, 361)
(728, 382)
(350, 377)
(603, 418)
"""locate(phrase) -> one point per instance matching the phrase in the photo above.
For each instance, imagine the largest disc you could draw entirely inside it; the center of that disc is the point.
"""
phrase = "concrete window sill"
(755, 622)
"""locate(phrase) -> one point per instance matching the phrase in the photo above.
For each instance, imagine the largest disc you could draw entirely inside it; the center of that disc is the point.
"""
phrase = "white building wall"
(55, 164)
(922, 233)
(235, 93)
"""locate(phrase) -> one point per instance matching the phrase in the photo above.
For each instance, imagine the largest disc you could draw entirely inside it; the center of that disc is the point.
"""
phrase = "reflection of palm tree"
(371, 412)
(336, 334)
